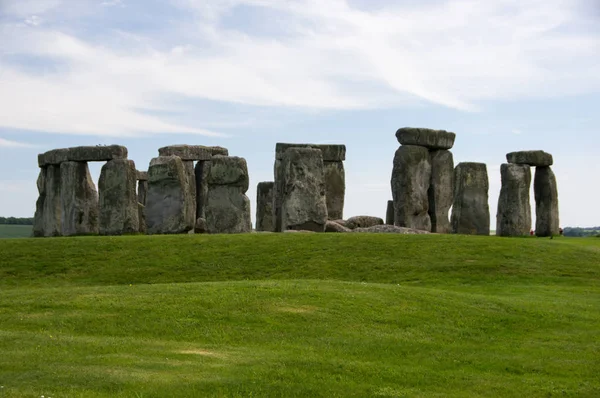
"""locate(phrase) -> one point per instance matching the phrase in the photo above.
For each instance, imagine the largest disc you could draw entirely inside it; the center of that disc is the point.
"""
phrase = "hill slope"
(300, 315)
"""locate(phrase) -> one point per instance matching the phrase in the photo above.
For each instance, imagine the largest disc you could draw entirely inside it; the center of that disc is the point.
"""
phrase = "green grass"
(15, 231)
(300, 315)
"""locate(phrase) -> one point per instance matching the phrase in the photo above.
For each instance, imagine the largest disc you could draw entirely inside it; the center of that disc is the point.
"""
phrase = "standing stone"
(142, 191)
(202, 170)
(118, 199)
(471, 211)
(389, 214)
(264, 206)
(441, 190)
(51, 214)
(142, 218)
(303, 201)
(410, 182)
(335, 189)
(546, 202)
(170, 208)
(190, 175)
(38, 219)
(514, 210)
(227, 206)
(79, 199)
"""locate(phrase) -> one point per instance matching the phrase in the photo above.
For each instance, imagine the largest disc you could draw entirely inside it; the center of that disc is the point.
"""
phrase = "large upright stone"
(201, 172)
(330, 153)
(410, 181)
(264, 206)
(187, 152)
(514, 210)
(471, 210)
(302, 190)
(51, 214)
(79, 200)
(335, 189)
(531, 158)
(441, 190)
(170, 208)
(190, 175)
(118, 199)
(227, 207)
(431, 139)
(142, 191)
(38, 219)
(546, 202)
(389, 213)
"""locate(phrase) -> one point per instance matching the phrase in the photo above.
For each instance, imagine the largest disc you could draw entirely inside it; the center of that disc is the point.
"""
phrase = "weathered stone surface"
(229, 170)
(531, 158)
(190, 175)
(51, 213)
(99, 153)
(187, 152)
(410, 182)
(200, 227)
(302, 190)
(118, 198)
(53, 157)
(264, 206)
(38, 218)
(514, 209)
(389, 229)
(202, 171)
(142, 191)
(302, 231)
(335, 188)
(332, 226)
(79, 200)
(218, 150)
(331, 153)
(470, 210)
(363, 222)
(340, 221)
(170, 208)
(546, 202)
(142, 218)
(227, 210)
(389, 213)
(441, 190)
(432, 139)
(142, 175)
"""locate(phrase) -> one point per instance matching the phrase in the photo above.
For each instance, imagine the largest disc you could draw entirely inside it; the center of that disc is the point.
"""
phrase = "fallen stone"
(531, 158)
(200, 227)
(432, 139)
(389, 229)
(546, 202)
(118, 199)
(340, 221)
(332, 226)
(170, 208)
(410, 182)
(303, 231)
(514, 209)
(331, 153)
(389, 213)
(363, 222)
(227, 210)
(303, 202)
(470, 210)
(187, 152)
(54, 157)
(229, 170)
(441, 190)
(335, 188)
(99, 153)
(79, 200)
(264, 206)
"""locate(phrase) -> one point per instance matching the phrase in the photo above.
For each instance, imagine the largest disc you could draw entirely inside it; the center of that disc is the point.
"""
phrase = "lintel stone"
(331, 153)
(432, 139)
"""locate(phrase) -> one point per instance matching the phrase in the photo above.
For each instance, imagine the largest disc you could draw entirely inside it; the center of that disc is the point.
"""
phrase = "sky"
(504, 75)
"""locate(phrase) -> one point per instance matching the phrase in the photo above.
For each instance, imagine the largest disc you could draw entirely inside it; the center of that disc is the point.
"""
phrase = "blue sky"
(503, 75)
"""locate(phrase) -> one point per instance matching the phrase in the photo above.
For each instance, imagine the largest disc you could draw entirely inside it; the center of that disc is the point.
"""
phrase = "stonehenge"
(470, 208)
(423, 179)
(513, 217)
(202, 189)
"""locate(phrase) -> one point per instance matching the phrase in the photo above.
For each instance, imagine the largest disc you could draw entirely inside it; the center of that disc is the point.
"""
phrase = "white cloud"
(328, 56)
(112, 3)
(516, 131)
(4, 143)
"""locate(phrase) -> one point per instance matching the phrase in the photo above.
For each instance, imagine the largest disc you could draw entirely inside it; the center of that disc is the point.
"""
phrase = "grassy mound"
(300, 315)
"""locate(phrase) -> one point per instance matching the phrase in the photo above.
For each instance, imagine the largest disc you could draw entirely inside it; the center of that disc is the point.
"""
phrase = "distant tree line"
(16, 221)
(581, 232)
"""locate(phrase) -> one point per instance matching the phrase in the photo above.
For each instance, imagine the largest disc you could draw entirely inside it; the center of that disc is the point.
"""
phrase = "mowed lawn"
(332, 315)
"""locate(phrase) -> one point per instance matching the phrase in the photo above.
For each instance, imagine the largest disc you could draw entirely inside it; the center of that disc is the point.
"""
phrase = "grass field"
(15, 231)
(300, 315)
